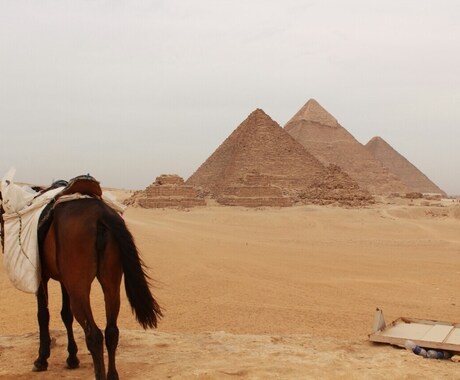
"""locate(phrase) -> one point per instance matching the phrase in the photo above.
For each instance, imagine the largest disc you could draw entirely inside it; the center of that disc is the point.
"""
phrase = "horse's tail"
(143, 305)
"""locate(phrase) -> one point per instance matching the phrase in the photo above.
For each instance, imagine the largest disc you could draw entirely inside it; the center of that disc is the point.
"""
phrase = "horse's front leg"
(67, 318)
(41, 364)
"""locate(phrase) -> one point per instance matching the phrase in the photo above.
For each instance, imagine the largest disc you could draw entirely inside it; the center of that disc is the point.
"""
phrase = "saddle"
(83, 184)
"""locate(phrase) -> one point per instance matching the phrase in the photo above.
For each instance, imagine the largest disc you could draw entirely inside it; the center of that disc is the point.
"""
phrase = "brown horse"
(86, 239)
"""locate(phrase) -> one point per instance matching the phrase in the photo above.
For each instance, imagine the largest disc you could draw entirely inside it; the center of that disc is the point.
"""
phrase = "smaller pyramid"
(398, 164)
(260, 164)
(322, 136)
(168, 190)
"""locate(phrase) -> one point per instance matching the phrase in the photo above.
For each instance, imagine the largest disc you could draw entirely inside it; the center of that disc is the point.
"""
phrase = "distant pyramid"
(259, 164)
(408, 173)
(313, 112)
(320, 133)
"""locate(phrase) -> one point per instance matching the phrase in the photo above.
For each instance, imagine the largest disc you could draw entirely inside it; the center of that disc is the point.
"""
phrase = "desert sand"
(270, 293)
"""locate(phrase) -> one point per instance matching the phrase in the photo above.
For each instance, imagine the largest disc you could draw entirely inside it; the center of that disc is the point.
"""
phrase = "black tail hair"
(137, 281)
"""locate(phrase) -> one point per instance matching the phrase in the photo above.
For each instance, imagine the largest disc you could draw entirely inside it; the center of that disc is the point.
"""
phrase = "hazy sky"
(128, 90)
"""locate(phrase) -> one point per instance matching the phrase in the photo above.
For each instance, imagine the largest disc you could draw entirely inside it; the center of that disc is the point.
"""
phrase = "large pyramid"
(259, 164)
(399, 165)
(320, 133)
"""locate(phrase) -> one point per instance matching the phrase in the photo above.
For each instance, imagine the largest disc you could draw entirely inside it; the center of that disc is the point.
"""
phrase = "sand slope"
(273, 293)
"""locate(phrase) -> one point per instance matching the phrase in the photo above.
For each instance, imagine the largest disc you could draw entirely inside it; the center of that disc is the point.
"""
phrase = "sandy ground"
(267, 294)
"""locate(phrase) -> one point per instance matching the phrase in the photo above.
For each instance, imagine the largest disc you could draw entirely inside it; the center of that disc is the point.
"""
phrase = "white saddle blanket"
(21, 257)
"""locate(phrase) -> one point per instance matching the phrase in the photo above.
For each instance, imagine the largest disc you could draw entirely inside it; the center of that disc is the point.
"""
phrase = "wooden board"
(425, 333)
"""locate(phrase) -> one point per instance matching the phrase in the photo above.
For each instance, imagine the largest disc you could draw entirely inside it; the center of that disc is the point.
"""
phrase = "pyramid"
(409, 174)
(320, 133)
(167, 191)
(260, 164)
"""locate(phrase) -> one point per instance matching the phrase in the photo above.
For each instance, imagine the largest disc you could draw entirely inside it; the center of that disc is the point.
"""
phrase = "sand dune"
(268, 293)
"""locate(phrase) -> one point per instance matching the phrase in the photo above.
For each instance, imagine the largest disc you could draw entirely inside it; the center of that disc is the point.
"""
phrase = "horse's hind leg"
(94, 338)
(41, 364)
(67, 318)
(109, 275)
(112, 306)
(111, 287)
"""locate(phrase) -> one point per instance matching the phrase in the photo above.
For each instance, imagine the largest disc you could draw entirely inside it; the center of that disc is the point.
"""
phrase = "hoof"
(73, 363)
(39, 366)
(112, 375)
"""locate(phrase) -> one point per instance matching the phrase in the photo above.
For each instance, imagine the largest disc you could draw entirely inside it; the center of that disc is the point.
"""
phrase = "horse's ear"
(37, 188)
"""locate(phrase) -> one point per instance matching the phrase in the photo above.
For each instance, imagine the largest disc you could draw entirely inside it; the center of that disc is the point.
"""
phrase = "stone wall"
(169, 179)
(170, 191)
(170, 202)
(254, 202)
(253, 196)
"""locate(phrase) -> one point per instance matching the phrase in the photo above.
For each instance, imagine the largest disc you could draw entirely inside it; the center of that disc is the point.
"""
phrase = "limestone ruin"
(168, 190)
(260, 164)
